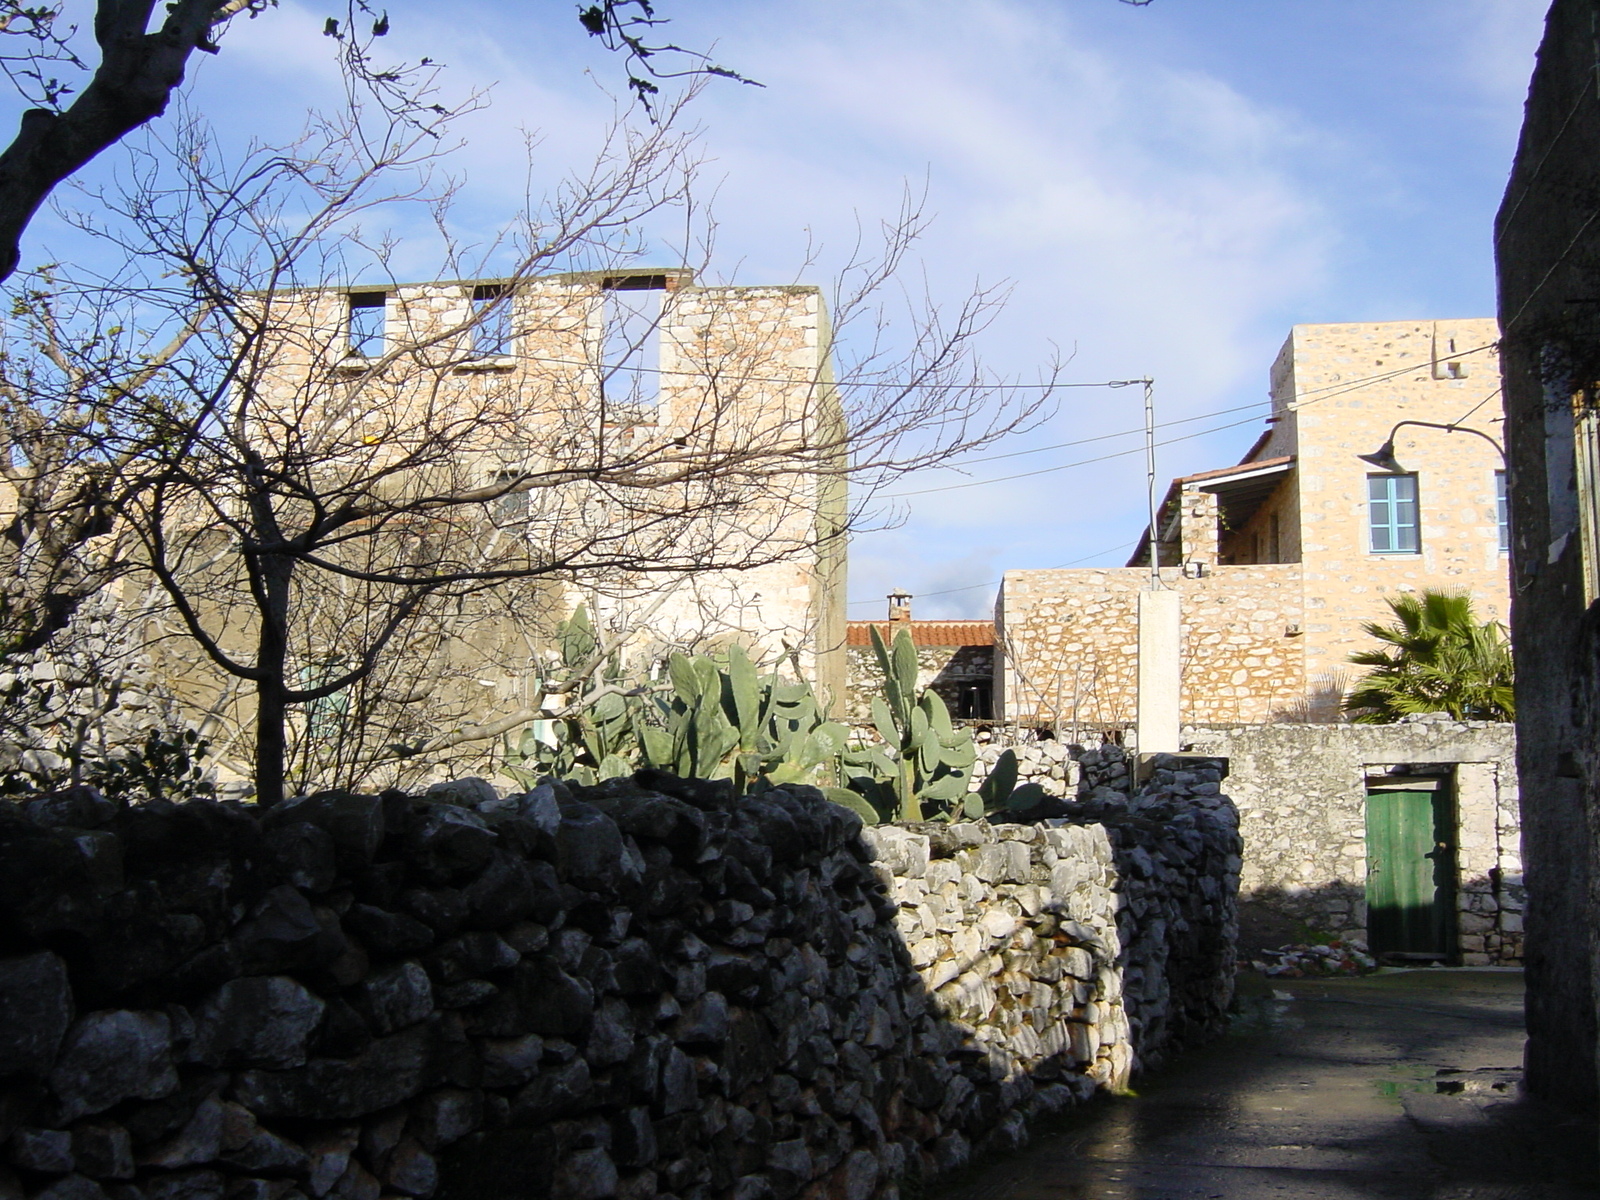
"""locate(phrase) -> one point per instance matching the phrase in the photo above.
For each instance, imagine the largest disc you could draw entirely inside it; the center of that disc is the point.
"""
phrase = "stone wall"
(1071, 641)
(1301, 792)
(1547, 252)
(625, 991)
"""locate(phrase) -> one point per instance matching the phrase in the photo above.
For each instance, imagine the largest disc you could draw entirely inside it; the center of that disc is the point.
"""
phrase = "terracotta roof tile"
(926, 633)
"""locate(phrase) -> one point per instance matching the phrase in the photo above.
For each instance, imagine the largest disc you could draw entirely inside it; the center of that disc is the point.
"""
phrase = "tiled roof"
(926, 633)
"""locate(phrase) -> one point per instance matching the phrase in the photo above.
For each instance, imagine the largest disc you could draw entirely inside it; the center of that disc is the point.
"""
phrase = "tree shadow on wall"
(775, 1005)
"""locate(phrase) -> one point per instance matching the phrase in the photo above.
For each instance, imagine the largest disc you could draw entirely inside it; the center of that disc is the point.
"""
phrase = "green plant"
(1437, 658)
(168, 766)
(711, 719)
(999, 794)
(923, 768)
(923, 758)
(597, 740)
(724, 721)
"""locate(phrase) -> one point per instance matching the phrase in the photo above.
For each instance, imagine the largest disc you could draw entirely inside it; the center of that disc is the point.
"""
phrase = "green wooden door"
(1410, 870)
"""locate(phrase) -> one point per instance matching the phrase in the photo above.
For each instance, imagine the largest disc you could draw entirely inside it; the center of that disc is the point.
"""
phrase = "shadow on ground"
(1397, 1086)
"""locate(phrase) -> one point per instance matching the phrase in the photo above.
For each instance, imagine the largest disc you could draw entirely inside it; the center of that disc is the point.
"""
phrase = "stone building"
(1279, 560)
(580, 410)
(1547, 250)
(1431, 803)
(1379, 472)
(954, 658)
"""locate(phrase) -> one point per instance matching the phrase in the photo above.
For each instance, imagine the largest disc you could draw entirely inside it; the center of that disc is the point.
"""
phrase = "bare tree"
(310, 512)
(87, 100)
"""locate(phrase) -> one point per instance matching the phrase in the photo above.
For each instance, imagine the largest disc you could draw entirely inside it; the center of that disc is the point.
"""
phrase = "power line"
(1331, 390)
(1082, 462)
(1104, 437)
(996, 582)
(1351, 385)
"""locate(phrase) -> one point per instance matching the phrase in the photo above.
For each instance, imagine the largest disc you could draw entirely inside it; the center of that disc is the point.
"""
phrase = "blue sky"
(1166, 189)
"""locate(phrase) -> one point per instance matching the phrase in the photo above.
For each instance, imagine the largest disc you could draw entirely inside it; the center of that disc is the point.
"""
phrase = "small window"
(1274, 539)
(491, 320)
(509, 508)
(1503, 510)
(975, 702)
(365, 323)
(1392, 512)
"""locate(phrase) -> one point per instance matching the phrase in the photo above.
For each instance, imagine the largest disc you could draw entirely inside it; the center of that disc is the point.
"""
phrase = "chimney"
(899, 606)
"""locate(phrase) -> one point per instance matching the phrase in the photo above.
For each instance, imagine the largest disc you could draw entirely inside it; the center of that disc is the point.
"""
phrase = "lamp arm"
(1399, 425)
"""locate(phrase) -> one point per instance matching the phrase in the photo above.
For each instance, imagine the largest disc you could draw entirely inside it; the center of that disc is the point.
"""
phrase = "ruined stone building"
(1279, 560)
(583, 409)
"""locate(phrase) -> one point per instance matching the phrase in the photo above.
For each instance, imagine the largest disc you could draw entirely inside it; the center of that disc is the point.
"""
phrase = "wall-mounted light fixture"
(1383, 457)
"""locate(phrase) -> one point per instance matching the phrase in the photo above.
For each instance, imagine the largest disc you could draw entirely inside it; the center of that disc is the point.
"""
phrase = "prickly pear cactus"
(713, 718)
(923, 768)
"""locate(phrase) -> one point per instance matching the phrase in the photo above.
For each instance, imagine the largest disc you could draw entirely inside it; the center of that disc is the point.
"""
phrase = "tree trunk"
(271, 744)
(272, 660)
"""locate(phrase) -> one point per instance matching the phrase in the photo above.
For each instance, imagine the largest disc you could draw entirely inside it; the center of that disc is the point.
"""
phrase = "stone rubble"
(645, 988)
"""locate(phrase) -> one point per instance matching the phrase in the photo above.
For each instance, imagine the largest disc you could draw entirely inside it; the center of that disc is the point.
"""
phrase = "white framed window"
(1502, 510)
(1392, 514)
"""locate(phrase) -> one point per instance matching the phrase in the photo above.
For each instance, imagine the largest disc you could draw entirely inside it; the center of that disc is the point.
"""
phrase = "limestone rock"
(112, 1056)
(264, 1021)
(35, 1010)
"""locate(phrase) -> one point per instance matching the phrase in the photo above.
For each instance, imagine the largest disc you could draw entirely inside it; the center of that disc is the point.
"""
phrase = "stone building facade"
(583, 408)
(1547, 251)
(1281, 559)
(1303, 794)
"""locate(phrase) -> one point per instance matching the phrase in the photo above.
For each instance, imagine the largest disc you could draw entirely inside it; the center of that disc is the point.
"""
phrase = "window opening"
(365, 323)
(975, 702)
(1502, 510)
(1392, 510)
(1274, 543)
(491, 316)
(630, 372)
(510, 507)
(325, 715)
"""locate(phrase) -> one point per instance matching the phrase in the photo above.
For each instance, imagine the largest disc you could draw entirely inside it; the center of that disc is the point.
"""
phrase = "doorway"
(1411, 868)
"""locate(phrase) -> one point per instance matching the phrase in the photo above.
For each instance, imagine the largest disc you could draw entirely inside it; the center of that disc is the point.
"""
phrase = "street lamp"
(1383, 457)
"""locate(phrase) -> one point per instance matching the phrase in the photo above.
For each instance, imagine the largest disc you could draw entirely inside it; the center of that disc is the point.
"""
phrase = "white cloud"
(1155, 217)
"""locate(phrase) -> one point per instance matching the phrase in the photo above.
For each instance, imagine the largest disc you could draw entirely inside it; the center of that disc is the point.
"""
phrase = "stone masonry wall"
(635, 990)
(1072, 640)
(1301, 792)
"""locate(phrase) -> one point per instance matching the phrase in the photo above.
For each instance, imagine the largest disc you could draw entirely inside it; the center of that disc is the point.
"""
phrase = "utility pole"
(1160, 625)
(1150, 478)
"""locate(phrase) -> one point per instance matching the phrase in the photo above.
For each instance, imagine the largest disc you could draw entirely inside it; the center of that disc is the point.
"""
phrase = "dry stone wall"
(648, 988)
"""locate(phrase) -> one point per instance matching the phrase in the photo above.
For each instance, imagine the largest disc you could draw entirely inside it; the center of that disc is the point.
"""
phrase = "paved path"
(1396, 1087)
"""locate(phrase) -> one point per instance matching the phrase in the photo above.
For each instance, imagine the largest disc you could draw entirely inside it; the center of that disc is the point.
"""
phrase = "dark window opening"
(365, 323)
(491, 320)
(975, 702)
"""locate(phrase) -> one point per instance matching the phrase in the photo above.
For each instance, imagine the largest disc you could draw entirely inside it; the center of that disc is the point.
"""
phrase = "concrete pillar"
(1159, 681)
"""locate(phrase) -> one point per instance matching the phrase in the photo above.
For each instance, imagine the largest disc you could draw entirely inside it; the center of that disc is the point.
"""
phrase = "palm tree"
(1438, 658)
